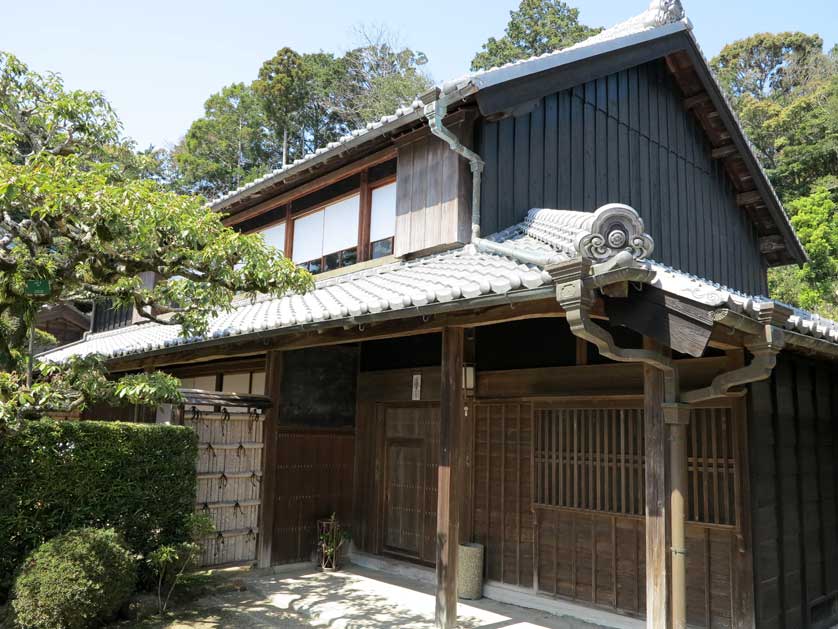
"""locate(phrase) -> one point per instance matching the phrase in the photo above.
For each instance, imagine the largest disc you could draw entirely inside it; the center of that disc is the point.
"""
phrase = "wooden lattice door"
(411, 442)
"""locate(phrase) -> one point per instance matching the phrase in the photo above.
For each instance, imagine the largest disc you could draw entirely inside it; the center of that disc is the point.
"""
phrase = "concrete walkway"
(355, 598)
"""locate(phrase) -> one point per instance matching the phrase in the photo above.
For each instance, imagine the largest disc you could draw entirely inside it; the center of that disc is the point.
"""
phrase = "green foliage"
(298, 103)
(537, 27)
(74, 581)
(81, 209)
(785, 90)
(38, 115)
(169, 562)
(815, 286)
(56, 476)
(229, 145)
(768, 64)
(381, 76)
(75, 384)
(331, 538)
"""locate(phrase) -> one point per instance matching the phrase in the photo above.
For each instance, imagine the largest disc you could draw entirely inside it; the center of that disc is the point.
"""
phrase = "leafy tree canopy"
(784, 88)
(297, 103)
(228, 146)
(537, 27)
(815, 285)
(83, 223)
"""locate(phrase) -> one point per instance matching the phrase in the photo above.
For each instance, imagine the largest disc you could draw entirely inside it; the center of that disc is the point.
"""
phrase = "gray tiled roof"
(457, 275)
(510, 263)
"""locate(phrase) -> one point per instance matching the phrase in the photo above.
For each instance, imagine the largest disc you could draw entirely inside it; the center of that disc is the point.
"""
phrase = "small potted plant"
(330, 538)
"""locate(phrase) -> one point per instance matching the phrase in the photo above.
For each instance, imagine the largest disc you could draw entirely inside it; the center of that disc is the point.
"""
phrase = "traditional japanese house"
(540, 324)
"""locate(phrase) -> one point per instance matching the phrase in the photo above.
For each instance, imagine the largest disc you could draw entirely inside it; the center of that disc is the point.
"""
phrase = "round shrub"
(74, 581)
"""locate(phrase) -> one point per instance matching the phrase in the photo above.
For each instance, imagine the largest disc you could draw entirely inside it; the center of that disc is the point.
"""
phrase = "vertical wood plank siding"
(792, 422)
(314, 470)
(559, 502)
(106, 317)
(433, 191)
(623, 138)
(503, 515)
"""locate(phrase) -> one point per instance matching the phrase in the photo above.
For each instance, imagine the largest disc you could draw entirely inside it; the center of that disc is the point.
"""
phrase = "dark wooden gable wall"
(623, 138)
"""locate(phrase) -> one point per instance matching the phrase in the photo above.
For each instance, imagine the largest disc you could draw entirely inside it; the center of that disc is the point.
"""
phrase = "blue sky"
(157, 61)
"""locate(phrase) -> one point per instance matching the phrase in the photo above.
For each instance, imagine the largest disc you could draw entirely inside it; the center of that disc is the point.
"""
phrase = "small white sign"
(416, 392)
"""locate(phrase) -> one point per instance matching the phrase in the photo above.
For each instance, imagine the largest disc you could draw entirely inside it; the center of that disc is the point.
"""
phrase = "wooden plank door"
(410, 479)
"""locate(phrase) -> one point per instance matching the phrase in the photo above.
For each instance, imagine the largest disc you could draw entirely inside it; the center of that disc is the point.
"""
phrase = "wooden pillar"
(273, 378)
(656, 496)
(465, 456)
(448, 512)
(364, 218)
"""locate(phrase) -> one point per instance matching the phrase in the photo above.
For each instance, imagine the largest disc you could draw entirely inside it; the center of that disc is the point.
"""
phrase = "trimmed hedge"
(57, 476)
(74, 581)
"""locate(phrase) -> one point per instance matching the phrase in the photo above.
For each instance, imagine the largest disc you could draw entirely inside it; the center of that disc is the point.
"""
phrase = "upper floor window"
(382, 220)
(327, 239)
(350, 220)
(275, 236)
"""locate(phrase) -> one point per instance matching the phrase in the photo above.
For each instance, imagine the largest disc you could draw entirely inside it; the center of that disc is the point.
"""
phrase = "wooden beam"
(656, 497)
(448, 512)
(771, 244)
(313, 186)
(748, 198)
(273, 379)
(726, 150)
(696, 100)
(675, 322)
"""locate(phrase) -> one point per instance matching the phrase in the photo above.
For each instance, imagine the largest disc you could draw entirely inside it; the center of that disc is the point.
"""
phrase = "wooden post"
(273, 379)
(465, 454)
(448, 513)
(364, 218)
(656, 498)
(677, 417)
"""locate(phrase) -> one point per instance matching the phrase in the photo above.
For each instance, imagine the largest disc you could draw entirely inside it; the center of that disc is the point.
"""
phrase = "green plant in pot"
(331, 537)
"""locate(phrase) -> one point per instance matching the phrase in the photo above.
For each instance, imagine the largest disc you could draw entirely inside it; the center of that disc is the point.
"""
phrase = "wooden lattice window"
(711, 444)
(590, 459)
(593, 459)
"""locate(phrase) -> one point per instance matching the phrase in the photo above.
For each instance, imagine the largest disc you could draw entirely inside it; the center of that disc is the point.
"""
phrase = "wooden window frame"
(364, 244)
(576, 476)
(364, 191)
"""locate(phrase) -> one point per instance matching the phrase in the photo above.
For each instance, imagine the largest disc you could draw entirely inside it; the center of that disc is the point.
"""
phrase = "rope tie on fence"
(251, 415)
(240, 450)
(205, 508)
(225, 419)
(222, 481)
(219, 538)
(254, 479)
(238, 507)
(211, 450)
(251, 533)
(196, 415)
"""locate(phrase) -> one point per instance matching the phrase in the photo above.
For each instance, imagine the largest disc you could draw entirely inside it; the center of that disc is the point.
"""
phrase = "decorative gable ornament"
(615, 228)
(593, 236)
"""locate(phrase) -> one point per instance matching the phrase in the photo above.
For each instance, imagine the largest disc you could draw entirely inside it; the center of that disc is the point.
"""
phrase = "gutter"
(435, 113)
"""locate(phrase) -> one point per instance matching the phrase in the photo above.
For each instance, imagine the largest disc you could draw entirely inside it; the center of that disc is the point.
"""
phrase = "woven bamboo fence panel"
(229, 482)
